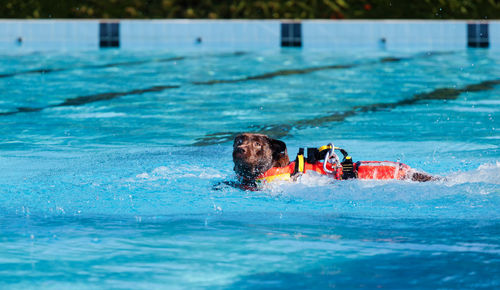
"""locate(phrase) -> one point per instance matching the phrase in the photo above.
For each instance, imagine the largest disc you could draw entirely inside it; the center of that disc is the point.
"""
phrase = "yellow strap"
(324, 148)
(327, 147)
(300, 159)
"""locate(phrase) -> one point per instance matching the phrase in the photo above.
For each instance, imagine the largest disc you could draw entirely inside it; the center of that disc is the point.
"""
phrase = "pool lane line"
(78, 101)
(116, 64)
(98, 66)
(283, 130)
(270, 75)
(298, 71)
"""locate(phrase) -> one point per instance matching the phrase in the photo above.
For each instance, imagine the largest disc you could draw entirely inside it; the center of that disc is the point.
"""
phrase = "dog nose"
(241, 150)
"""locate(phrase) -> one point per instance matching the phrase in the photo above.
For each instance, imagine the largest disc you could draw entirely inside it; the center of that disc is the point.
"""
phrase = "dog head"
(254, 154)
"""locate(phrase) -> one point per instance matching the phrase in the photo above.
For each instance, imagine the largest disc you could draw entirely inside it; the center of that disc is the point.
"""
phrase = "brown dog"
(254, 154)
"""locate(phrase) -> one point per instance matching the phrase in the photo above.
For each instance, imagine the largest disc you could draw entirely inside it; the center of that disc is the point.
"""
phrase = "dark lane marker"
(78, 101)
(98, 66)
(275, 74)
(35, 71)
(282, 130)
(116, 64)
(288, 72)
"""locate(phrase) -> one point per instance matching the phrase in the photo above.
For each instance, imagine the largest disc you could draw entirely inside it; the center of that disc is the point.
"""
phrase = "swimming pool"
(109, 162)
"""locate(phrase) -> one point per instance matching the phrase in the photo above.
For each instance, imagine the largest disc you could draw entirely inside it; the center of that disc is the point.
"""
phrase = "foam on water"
(485, 173)
(96, 115)
(472, 194)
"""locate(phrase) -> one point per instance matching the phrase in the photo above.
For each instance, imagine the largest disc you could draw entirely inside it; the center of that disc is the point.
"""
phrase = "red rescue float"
(332, 166)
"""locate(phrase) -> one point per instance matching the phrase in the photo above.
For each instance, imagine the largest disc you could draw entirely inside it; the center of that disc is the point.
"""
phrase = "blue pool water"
(109, 163)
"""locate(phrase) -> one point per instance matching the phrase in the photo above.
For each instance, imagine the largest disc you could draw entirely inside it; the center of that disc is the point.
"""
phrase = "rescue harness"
(324, 160)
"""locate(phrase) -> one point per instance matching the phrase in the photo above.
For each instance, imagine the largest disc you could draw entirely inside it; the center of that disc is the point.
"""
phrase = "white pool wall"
(42, 35)
(398, 35)
(247, 35)
(214, 34)
(494, 35)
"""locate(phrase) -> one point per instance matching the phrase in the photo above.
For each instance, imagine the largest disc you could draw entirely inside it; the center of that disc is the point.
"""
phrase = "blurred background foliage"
(252, 9)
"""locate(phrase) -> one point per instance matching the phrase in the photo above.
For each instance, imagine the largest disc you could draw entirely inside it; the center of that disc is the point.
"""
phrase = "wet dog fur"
(254, 154)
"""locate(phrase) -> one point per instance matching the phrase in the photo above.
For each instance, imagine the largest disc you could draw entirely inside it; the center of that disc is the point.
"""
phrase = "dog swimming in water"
(260, 159)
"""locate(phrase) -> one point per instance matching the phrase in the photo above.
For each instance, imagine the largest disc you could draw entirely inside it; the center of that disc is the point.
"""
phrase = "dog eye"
(257, 144)
(239, 141)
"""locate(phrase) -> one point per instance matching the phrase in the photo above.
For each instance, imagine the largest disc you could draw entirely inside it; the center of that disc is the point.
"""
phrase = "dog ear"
(237, 138)
(277, 146)
(280, 154)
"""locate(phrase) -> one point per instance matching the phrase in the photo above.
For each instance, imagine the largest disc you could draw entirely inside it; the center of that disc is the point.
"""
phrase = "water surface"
(109, 162)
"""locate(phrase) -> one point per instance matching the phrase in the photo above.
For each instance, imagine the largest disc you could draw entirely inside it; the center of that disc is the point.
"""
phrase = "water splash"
(183, 171)
(485, 173)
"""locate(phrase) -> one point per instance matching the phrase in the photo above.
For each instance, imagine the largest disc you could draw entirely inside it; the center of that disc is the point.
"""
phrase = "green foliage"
(252, 9)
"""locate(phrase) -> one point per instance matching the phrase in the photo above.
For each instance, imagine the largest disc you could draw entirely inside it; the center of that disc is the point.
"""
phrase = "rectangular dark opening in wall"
(483, 31)
(109, 34)
(477, 35)
(291, 34)
(297, 30)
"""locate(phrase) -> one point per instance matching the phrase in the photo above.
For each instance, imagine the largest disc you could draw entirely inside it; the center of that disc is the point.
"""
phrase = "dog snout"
(241, 150)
